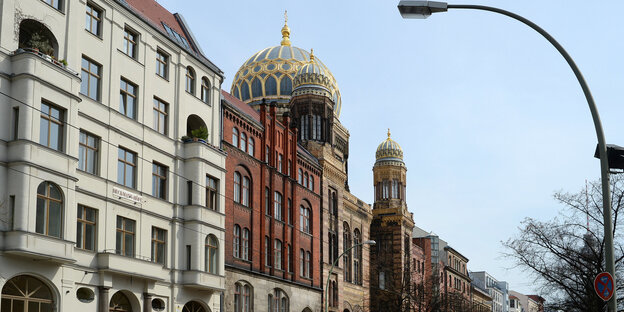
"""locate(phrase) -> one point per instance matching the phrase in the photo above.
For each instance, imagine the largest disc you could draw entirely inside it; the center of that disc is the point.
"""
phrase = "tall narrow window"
(160, 116)
(300, 176)
(279, 163)
(159, 245)
(357, 257)
(314, 117)
(236, 244)
(267, 254)
(245, 247)
(86, 230)
(190, 80)
(91, 77)
(162, 64)
(49, 220)
(235, 137)
(159, 180)
(88, 152)
(301, 262)
(305, 180)
(304, 219)
(237, 297)
(278, 254)
(346, 245)
(246, 298)
(211, 192)
(125, 237)
(130, 43)
(126, 167)
(245, 192)
(51, 126)
(250, 146)
(308, 264)
(243, 142)
(205, 91)
(237, 187)
(267, 202)
(188, 257)
(212, 246)
(15, 123)
(289, 258)
(304, 128)
(127, 98)
(94, 20)
(395, 189)
(278, 206)
(311, 184)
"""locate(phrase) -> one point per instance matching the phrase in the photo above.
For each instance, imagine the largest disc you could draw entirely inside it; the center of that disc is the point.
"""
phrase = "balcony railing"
(48, 58)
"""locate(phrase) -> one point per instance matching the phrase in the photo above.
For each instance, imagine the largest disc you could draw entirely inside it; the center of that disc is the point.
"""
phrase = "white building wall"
(25, 80)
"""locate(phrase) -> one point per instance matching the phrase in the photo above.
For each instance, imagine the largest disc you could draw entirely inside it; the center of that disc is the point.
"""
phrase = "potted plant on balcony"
(200, 134)
(40, 43)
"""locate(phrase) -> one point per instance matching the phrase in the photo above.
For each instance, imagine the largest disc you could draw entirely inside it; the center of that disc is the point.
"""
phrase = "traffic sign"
(603, 284)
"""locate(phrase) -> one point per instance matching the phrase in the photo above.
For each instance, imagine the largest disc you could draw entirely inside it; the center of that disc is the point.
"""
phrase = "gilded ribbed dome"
(312, 75)
(389, 150)
(269, 74)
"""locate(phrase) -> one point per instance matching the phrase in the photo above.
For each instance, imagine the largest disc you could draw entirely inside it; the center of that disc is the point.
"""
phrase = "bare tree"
(566, 253)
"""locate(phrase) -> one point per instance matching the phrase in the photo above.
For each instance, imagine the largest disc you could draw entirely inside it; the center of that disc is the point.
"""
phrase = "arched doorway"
(195, 123)
(120, 303)
(25, 293)
(34, 35)
(194, 306)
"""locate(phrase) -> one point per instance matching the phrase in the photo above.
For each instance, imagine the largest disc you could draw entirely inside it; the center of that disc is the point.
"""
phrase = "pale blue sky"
(491, 119)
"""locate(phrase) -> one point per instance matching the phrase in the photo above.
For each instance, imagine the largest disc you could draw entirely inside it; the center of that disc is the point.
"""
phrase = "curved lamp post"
(422, 9)
(368, 242)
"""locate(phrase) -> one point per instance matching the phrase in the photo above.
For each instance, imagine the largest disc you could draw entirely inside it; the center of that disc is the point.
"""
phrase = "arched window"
(238, 305)
(346, 244)
(300, 176)
(245, 251)
(190, 80)
(205, 90)
(236, 243)
(278, 254)
(243, 142)
(311, 184)
(357, 257)
(119, 303)
(245, 192)
(250, 148)
(235, 137)
(270, 86)
(301, 262)
(305, 179)
(278, 301)
(193, 306)
(304, 219)
(49, 210)
(211, 254)
(277, 206)
(308, 264)
(246, 298)
(26, 293)
(237, 187)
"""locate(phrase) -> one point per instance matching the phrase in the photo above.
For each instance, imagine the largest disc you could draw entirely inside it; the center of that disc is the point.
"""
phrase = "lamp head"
(420, 9)
(369, 242)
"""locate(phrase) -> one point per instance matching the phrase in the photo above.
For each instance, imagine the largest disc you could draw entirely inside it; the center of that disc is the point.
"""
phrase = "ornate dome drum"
(269, 75)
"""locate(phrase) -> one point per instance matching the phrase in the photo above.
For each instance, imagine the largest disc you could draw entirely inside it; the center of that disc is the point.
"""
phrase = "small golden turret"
(285, 31)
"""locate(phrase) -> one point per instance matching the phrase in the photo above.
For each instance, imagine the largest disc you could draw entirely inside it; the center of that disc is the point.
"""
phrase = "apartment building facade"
(111, 168)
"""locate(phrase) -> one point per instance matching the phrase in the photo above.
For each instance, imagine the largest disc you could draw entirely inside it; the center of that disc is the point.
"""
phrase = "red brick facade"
(267, 172)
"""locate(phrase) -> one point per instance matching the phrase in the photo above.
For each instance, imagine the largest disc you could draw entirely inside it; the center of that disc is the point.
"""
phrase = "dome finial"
(285, 30)
(388, 133)
(312, 54)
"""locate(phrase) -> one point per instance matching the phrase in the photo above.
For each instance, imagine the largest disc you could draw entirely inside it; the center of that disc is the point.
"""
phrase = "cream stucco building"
(104, 206)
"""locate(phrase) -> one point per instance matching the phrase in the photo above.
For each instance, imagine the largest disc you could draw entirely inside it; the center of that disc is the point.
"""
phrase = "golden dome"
(389, 150)
(269, 74)
(311, 75)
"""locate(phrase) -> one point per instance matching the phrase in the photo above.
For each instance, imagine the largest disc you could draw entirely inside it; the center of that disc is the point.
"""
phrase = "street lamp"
(368, 242)
(423, 9)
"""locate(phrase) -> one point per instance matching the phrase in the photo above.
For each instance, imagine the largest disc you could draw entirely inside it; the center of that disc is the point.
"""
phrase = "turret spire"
(285, 31)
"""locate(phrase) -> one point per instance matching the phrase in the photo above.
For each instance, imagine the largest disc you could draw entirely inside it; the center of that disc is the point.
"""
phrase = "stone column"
(103, 299)
(147, 302)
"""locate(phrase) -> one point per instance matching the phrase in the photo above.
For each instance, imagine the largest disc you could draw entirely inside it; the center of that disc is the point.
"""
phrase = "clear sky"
(491, 119)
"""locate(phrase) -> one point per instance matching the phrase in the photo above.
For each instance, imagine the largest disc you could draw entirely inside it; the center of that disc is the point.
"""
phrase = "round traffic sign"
(603, 284)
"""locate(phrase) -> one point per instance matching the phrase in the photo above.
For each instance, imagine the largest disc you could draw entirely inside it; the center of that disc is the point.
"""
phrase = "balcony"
(202, 280)
(62, 64)
(112, 262)
(37, 246)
